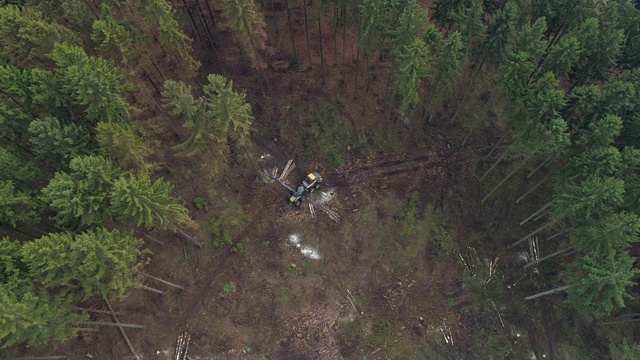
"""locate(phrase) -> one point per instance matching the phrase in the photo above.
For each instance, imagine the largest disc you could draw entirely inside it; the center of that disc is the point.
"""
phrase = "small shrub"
(230, 288)
(237, 248)
(200, 203)
(222, 241)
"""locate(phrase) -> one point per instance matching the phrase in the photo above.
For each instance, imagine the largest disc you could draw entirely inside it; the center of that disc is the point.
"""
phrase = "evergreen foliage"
(58, 143)
(26, 39)
(232, 113)
(150, 204)
(121, 143)
(601, 281)
(80, 197)
(93, 83)
(36, 318)
(89, 263)
(16, 207)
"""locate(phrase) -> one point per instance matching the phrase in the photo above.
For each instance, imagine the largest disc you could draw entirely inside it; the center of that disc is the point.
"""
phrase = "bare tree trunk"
(468, 91)
(618, 322)
(507, 177)
(293, 40)
(549, 292)
(319, 4)
(163, 281)
(124, 334)
(533, 188)
(111, 312)
(536, 213)
(213, 22)
(547, 257)
(542, 164)
(306, 27)
(533, 233)
(104, 323)
(152, 289)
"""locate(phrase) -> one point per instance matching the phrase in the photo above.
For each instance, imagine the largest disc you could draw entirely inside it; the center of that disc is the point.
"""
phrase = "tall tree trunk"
(273, 11)
(344, 41)
(427, 108)
(542, 164)
(306, 28)
(617, 322)
(532, 233)
(293, 40)
(213, 22)
(319, 4)
(547, 257)
(468, 91)
(549, 292)
(208, 33)
(533, 188)
(259, 70)
(536, 213)
(507, 177)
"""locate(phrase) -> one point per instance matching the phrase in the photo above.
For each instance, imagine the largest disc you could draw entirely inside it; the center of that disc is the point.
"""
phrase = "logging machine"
(309, 185)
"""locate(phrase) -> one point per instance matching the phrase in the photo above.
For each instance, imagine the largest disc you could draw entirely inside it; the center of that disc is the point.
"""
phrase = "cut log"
(152, 289)
(124, 334)
(104, 323)
(189, 237)
(163, 281)
(96, 311)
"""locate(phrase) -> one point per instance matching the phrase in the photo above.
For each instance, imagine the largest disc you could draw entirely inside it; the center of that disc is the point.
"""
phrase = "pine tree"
(93, 83)
(121, 143)
(178, 96)
(170, 33)
(16, 207)
(601, 281)
(593, 198)
(26, 38)
(563, 56)
(23, 175)
(449, 59)
(57, 143)
(27, 314)
(232, 113)
(221, 115)
(150, 204)
(36, 318)
(413, 64)
(625, 351)
(80, 197)
(616, 232)
(111, 36)
(89, 263)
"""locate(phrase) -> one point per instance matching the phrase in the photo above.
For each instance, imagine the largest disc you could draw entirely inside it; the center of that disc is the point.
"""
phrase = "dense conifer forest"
(480, 195)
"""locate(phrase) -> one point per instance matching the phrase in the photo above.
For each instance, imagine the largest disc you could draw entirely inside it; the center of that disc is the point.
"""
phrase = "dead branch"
(163, 281)
(124, 334)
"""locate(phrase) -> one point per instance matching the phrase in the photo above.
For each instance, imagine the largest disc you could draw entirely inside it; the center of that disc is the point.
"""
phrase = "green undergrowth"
(223, 224)
(372, 332)
(321, 130)
(420, 225)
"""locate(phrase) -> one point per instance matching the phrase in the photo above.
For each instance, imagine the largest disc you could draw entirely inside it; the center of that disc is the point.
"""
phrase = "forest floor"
(390, 280)
(408, 272)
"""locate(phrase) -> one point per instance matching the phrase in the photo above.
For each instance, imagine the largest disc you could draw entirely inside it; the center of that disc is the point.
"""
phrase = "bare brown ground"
(283, 305)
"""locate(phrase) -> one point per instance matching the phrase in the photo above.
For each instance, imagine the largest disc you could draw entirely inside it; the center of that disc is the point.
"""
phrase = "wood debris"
(287, 169)
(332, 214)
(182, 346)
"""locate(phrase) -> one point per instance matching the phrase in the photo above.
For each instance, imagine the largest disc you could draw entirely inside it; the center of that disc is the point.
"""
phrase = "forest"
(481, 193)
